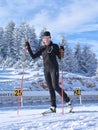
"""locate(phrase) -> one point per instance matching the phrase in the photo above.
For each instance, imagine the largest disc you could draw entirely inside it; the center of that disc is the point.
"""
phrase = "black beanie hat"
(46, 33)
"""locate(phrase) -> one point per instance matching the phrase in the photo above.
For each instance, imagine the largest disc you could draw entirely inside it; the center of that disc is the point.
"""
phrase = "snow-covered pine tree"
(74, 63)
(17, 41)
(41, 35)
(1, 45)
(27, 33)
(67, 56)
(97, 69)
(8, 42)
(77, 55)
(33, 39)
(93, 66)
(22, 37)
(34, 43)
(89, 61)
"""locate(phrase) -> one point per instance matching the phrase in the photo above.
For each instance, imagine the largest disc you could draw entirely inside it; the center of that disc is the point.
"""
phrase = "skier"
(50, 52)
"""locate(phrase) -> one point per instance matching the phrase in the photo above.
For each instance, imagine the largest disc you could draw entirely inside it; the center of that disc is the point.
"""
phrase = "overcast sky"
(76, 19)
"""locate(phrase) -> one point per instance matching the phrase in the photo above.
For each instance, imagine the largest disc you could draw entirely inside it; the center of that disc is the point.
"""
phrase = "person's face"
(46, 40)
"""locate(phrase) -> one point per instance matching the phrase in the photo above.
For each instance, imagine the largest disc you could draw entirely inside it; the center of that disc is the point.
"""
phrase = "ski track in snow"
(84, 118)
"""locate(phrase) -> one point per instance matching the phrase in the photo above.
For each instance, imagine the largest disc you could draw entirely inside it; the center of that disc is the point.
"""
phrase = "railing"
(30, 97)
(43, 93)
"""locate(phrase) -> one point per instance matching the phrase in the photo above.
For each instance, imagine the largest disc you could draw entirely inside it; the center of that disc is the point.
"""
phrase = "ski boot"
(53, 109)
(69, 107)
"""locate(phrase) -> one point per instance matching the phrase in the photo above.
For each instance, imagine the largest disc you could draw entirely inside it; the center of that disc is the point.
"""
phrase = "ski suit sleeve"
(37, 54)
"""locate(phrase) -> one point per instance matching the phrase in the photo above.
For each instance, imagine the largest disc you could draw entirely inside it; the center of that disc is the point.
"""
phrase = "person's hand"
(27, 45)
(62, 51)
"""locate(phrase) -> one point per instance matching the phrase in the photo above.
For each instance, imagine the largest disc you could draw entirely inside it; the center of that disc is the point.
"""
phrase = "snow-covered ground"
(10, 78)
(29, 118)
(85, 117)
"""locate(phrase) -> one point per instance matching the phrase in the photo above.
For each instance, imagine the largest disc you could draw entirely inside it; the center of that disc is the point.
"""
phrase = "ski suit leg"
(55, 84)
(51, 89)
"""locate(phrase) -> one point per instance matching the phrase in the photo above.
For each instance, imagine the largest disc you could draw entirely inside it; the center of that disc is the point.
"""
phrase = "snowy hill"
(10, 78)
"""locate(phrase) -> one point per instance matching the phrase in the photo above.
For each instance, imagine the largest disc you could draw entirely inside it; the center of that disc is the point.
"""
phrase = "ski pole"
(62, 83)
(21, 84)
(62, 79)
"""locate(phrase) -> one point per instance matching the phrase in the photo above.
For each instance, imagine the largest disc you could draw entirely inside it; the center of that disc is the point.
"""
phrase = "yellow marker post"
(17, 92)
(77, 92)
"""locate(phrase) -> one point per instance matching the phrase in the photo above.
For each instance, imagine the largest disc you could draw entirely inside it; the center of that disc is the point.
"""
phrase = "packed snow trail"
(30, 118)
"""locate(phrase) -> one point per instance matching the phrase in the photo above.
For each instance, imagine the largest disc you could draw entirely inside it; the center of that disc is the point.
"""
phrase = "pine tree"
(77, 55)
(41, 36)
(17, 41)
(33, 39)
(74, 63)
(22, 37)
(1, 44)
(89, 61)
(97, 70)
(93, 65)
(67, 56)
(8, 43)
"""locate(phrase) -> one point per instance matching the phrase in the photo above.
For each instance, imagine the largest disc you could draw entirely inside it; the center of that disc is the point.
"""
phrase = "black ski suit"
(51, 69)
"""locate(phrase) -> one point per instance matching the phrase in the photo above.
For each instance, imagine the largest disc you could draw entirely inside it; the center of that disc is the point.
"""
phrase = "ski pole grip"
(26, 48)
(62, 51)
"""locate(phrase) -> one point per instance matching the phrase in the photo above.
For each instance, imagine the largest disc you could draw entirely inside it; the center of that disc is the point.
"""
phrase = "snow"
(85, 117)
(10, 78)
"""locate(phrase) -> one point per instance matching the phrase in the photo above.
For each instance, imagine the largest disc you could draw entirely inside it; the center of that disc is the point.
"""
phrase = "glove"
(62, 51)
(27, 45)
